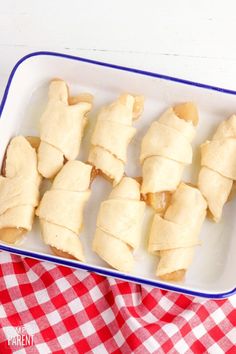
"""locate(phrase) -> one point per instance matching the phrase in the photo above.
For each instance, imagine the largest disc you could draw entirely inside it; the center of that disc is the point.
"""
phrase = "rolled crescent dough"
(165, 151)
(19, 188)
(61, 208)
(174, 236)
(61, 128)
(112, 135)
(218, 167)
(119, 224)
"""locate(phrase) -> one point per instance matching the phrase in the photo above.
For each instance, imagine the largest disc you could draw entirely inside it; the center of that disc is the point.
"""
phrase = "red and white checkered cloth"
(71, 311)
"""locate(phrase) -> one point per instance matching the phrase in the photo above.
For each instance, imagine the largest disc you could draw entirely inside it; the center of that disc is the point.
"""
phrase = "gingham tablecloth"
(60, 310)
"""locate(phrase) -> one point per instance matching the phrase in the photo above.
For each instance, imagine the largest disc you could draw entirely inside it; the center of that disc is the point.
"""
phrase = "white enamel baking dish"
(212, 273)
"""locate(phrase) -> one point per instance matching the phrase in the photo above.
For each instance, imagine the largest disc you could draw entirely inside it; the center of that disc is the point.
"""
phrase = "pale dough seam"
(101, 147)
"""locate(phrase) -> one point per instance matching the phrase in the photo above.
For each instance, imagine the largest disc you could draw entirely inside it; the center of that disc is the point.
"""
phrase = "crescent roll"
(19, 190)
(112, 135)
(61, 209)
(61, 128)
(218, 167)
(165, 151)
(174, 236)
(118, 228)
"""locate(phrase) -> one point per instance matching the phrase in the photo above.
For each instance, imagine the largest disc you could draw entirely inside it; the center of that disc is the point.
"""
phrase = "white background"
(193, 40)
(190, 39)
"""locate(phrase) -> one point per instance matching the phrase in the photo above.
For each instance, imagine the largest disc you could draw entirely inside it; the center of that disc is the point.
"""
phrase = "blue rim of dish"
(102, 271)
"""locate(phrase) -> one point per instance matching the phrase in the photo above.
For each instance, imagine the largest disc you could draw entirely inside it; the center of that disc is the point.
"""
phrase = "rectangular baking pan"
(211, 274)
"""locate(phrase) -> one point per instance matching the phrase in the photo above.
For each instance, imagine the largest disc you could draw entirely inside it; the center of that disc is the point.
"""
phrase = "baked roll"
(61, 128)
(61, 210)
(165, 151)
(112, 135)
(174, 236)
(118, 227)
(218, 167)
(19, 190)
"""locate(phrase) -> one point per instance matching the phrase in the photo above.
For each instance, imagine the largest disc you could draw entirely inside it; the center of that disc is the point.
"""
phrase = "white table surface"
(194, 40)
(190, 39)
